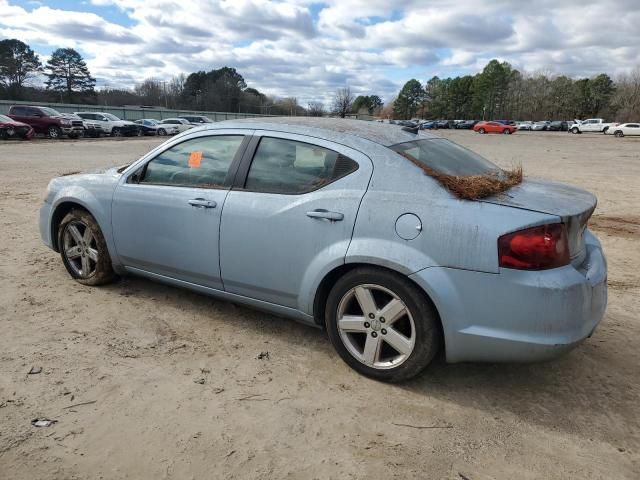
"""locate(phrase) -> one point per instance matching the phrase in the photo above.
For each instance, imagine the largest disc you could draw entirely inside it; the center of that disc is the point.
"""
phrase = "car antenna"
(413, 130)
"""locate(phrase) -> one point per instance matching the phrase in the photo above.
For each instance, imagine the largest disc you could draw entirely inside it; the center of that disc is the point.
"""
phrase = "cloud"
(309, 48)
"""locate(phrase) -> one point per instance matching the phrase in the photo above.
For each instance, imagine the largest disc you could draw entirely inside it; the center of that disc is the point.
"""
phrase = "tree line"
(497, 92)
(68, 80)
(501, 92)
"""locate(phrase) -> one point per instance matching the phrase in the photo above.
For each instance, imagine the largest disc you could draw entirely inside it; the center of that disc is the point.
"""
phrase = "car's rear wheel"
(381, 324)
(54, 132)
(162, 131)
(83, 249)
(618, 133)
(482, 130)
(116, 132)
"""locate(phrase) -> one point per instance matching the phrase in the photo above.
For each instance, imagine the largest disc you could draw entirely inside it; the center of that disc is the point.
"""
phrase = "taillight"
(536, 248)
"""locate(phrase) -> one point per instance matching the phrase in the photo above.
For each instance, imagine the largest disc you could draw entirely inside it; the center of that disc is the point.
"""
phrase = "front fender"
(97, 203)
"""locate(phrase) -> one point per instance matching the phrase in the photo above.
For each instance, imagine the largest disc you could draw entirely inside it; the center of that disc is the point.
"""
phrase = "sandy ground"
(178, 390)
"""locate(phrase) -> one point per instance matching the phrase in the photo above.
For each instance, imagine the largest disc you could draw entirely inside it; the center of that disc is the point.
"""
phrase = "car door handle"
(326, 214)
(202, 203)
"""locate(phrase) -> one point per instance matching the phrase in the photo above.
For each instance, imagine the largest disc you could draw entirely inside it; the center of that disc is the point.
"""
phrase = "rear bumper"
(518, 316)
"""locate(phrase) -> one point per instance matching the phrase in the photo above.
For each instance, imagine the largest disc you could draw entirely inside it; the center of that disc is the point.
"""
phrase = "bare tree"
(315, 109)
(343, 101)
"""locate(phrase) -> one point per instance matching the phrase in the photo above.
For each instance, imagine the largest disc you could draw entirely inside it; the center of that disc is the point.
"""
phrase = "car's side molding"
(279, 310)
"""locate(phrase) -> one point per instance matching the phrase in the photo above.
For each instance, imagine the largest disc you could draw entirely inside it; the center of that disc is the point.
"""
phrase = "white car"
(110, 124)
(181, 123)
(524, 125)
(151, 126)
(622, 129)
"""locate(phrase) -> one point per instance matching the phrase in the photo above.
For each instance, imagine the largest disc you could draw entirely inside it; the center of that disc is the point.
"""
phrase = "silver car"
(334, 223)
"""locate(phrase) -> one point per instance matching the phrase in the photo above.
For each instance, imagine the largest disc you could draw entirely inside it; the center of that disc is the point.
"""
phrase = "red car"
(493, 127)
(10, 128)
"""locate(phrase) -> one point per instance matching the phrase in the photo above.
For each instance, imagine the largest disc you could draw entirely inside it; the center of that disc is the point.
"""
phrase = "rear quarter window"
(445, 157)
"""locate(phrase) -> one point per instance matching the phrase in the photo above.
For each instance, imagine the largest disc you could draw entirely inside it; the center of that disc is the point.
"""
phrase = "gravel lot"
(178, 390)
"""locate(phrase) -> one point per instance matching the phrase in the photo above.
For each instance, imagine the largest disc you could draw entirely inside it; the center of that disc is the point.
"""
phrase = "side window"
(33, 112)
(288, 166)
(199, 162)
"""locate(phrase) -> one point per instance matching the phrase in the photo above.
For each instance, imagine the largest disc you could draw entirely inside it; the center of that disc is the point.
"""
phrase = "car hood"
(573, 205)
(13, 123)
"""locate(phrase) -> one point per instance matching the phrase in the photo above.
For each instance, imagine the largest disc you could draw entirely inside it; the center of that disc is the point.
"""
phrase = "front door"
(292, 215)
(166, 214)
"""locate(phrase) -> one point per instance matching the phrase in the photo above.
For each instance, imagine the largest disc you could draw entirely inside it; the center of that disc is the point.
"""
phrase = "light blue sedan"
(333, 223)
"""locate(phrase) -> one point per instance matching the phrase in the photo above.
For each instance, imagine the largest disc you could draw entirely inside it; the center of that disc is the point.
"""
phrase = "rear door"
(166, 213)
(290, 213)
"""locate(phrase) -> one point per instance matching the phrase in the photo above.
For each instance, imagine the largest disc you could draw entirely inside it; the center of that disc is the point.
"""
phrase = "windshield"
(50, 111)
(445, 157)
(111, 117)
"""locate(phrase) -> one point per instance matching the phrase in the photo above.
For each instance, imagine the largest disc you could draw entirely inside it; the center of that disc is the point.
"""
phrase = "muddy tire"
(391, 349)
(83, 249)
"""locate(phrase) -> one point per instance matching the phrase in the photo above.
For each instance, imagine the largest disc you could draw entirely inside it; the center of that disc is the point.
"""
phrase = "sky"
(309, 49)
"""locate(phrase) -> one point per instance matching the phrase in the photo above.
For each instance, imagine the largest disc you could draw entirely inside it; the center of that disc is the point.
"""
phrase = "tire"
(506, 131)
(618, 133)
(482, 130)
(417, 329)
(162, 132)
(116, 132)
(91, 248)
(139, 132)
(575, 130)
(54, 132)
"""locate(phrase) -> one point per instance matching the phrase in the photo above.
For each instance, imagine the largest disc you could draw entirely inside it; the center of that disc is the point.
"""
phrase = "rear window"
(445, 157)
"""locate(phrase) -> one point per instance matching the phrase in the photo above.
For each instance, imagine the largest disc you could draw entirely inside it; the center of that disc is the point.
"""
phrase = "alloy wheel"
(80, 249)
(375, 326)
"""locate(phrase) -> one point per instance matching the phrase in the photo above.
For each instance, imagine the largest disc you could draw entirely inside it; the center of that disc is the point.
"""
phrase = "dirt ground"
(177, 388)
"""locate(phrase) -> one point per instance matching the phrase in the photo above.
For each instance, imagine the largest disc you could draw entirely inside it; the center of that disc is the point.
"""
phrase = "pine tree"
(68, 73)
(18, 63)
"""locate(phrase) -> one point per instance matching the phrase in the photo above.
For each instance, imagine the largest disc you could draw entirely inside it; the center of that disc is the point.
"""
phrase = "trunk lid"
(573, 205)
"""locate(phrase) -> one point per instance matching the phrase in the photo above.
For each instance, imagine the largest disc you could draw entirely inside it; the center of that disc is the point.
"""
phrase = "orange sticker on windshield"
(195, 159)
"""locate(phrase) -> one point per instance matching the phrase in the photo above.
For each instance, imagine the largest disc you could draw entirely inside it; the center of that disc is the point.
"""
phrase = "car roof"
(328, 128)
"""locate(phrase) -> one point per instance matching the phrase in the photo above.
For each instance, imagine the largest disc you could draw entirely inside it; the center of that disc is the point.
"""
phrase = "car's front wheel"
(54, 132)
(162, 132)
(481, 130)
(618, 133)
(83, 249)
(381, 324)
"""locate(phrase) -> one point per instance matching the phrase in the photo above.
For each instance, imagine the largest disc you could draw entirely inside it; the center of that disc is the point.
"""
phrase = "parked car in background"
(299, 217)
(494, 127)
(151, 126)
(466, 124)
(541, 126)
(196, 119)
(92, 129)
(428, 125)
(624, 129)
(110, 124)
(524, 125)
(558, 126)
(444, 124)
(597, 125)
(47, 121)
(181, 123)
(10, 128)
